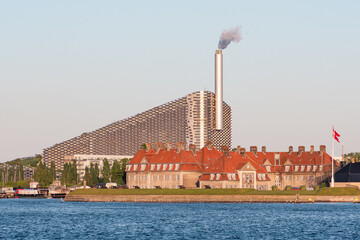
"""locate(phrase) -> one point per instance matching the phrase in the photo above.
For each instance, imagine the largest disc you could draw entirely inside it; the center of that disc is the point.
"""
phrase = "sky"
(68, 67)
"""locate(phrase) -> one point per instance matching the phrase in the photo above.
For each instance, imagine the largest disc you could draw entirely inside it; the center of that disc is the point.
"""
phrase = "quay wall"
(212, 198)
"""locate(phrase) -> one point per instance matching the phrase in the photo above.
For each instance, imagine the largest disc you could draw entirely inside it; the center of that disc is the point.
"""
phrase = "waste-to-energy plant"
(190, 119)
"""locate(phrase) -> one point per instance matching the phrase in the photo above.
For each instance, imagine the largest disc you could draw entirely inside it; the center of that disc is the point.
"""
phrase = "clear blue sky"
(68, 67)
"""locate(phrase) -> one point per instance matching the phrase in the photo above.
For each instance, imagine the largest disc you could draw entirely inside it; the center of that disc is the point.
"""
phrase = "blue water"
(52, 219)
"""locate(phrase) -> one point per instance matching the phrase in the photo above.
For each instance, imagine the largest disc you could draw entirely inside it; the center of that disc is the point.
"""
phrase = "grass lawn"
(321, 192)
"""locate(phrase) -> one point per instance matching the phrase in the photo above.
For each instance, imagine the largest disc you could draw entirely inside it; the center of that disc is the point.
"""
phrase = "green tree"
(74, 175)
(88, 177)
(94, 173)
(106, 173)
(143, 146)
(21, 171)
(42, 175)
(52, 171)
(123, 167)
(116, 174)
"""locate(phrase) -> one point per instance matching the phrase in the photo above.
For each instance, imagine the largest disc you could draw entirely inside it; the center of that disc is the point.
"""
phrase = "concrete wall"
(211, 198)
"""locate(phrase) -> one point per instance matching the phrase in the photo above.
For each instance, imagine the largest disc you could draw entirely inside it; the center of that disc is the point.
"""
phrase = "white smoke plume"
(228, 36)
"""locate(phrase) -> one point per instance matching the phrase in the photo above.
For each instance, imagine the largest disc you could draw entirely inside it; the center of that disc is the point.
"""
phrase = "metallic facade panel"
(190, 119)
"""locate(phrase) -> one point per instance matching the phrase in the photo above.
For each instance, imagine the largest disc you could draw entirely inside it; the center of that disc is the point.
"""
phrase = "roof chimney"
(312, 149)
(263, 149)
(301, 149)
(168, 146)
(225, 149)
(291, 149)
(148, 146)
(192, 148)
(322, 149)
(208, 145)
(238, 148)
(159, 146)
(253, 149)
(179, 147)
(242, 152)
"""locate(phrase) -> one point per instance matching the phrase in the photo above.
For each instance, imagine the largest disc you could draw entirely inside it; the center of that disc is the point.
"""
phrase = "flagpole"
(332, 160)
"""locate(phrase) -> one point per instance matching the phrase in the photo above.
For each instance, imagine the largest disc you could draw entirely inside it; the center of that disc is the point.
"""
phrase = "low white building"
(83, 161)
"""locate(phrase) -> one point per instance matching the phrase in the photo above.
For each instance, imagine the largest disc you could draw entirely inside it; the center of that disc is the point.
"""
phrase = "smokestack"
(218, 90)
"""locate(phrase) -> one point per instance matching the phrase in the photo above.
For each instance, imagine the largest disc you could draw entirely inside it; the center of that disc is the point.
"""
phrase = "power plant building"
(190, 119)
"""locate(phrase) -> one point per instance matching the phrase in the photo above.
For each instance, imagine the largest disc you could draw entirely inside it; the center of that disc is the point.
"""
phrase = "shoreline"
(211, 198)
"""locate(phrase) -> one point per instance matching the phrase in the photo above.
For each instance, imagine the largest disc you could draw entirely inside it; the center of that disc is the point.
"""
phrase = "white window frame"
(211, 176)
(229, 176)
(135, 167)
(218, 176)
(152, 167)
(158, 167)
(177, 166)
(164, 166)
(171, 166)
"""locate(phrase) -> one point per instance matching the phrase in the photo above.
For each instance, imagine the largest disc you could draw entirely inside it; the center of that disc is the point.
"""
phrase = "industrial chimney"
(218, 90)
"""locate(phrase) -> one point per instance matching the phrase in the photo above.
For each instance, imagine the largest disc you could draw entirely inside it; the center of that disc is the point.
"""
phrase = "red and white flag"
(336, 135)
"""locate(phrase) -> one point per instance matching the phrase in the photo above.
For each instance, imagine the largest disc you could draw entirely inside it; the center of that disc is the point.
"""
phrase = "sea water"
(53, 219)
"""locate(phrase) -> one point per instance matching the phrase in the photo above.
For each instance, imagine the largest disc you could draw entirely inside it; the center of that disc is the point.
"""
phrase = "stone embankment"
(212, 198)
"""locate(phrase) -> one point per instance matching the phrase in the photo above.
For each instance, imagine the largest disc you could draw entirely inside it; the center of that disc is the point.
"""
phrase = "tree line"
(12, 175)
(116, 173)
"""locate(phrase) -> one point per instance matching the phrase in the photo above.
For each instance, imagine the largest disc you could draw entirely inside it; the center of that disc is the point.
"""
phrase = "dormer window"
(171, 166)
(211, 176)
(287, 168)
(296, 168)
(229, 176)
(233, 176)
(158, 167)
(218, 176)
(152, 167)
(165, 166)
(302, 168)
(321, 168)
(177, 166)
(143, 166)
(268, 169)
(314, 168)
(308, 168)
(135, 167)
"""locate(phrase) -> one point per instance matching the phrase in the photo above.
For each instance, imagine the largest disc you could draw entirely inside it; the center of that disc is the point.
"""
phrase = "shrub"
(316, 188)
(302, 188)
(323, 185)
(288, 187)
(274, 188)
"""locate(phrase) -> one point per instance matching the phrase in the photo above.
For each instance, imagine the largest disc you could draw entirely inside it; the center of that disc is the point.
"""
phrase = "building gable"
(266, 162)
(247, 167)
(144, 161)
(288, 162)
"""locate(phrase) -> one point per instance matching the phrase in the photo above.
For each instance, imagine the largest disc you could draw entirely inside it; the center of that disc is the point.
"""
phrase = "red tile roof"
(209, 160)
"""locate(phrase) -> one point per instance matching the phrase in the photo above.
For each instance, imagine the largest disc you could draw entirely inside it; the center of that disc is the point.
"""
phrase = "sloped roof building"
(190, 119)
(164, 167)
